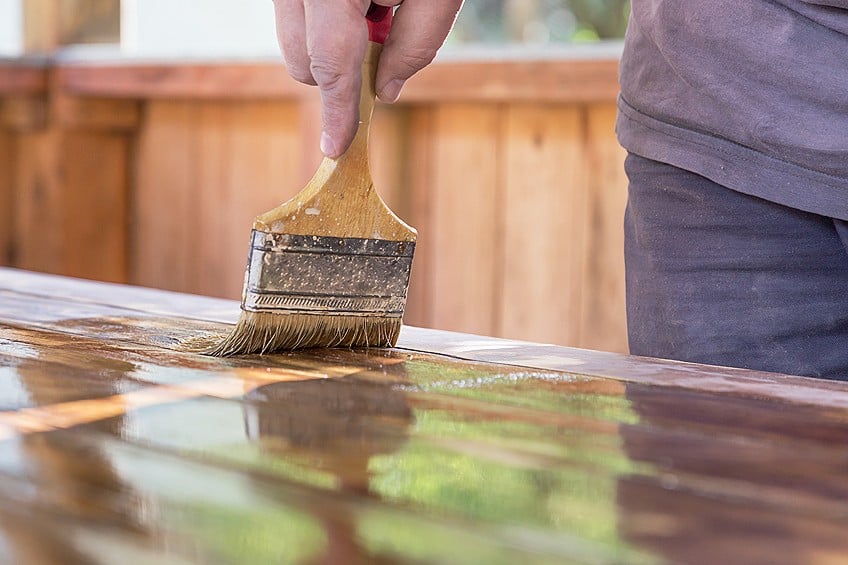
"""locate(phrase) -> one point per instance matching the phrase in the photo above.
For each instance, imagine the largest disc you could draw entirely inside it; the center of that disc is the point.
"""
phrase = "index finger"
(418, 31)
(336, 37)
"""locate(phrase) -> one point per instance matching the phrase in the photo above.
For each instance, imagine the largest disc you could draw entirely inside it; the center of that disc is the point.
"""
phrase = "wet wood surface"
(118, 446)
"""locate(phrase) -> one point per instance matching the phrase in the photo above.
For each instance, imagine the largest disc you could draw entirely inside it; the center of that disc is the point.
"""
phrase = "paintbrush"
(330, 267)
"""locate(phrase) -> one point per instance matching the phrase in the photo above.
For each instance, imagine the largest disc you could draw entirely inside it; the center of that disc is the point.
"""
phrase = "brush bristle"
(258, 332)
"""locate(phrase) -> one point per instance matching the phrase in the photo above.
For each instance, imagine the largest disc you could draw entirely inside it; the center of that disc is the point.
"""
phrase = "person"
(735, 119)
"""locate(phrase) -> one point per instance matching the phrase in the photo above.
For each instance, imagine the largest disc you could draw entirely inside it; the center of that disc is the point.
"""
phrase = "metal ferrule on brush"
(327, 276)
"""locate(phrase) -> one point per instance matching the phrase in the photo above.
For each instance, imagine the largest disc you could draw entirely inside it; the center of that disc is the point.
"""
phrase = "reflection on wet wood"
(118, 445)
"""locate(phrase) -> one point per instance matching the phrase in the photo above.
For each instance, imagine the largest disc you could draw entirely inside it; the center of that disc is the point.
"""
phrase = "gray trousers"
(716, 276)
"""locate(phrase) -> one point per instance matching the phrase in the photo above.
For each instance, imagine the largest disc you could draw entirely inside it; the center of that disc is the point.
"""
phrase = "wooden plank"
(95, 187)
(182, 80)
(518, 80)
(210, 192)
(8, 158)
(219, 164)
(96, 113)
(544, 224)
(603, 321)
(416, 208)
(533, 79)
(264, 151)
(71, 204)
(114, 325)
(111, 301)
(134, 298)
(465, 208)
(39, 203)
(23, 112)
(163, 215)
(388, 155)
(121, 448)
(21, 78)
(309, 122)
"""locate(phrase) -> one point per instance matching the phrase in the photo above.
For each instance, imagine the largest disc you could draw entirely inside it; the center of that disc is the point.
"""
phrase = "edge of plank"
(597, 364)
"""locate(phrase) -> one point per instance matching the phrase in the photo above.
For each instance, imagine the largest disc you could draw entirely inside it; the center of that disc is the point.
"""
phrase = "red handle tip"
(379, 22)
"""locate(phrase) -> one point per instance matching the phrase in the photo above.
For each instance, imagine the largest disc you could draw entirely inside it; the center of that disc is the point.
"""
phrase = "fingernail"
(328, 147)
(391, 92)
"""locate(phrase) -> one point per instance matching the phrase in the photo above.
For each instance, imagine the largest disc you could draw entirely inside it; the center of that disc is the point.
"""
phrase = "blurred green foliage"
(540, 21)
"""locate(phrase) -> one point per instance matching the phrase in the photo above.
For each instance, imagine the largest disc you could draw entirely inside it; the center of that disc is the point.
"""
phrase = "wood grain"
(184, 80)
(39, 203)
(161, 206)
(464, 217)
(95, 191)
(96, 113)
(218, 165)
(309, 123)
(524, 80)
(460, 447)
(388, 154)
(544, 224)
(211, 200)
(520, 80)
(22, 78)
(603, 323)
(23, 112)
(416, 207)
(8, 169)
(71, 203)
(265, 157)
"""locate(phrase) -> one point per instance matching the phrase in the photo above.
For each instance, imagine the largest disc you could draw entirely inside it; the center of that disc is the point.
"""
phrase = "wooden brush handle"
(340, 200)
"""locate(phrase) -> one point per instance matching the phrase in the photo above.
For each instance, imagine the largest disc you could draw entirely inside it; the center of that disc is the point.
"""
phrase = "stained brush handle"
(379, 20)
(340, 200)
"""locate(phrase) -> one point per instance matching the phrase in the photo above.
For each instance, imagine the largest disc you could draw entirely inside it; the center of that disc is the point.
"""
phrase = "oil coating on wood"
(116, 446)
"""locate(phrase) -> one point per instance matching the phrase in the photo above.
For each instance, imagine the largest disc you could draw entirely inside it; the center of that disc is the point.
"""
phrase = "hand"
(323, 43)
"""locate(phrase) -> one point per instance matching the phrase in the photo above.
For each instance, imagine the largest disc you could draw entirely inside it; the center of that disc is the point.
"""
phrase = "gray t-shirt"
(752, 94)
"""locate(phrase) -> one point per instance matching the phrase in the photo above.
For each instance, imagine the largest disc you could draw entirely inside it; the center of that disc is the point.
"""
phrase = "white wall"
(190, 28)
(11, 25)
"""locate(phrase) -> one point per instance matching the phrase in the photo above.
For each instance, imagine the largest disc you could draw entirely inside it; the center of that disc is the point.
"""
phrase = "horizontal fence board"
(525, 79)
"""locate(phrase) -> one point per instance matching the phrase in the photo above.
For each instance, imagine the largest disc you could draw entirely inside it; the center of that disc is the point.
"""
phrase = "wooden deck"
(116, 446)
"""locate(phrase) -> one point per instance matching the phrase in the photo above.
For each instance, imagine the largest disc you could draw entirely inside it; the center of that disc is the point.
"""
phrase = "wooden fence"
(151, 173)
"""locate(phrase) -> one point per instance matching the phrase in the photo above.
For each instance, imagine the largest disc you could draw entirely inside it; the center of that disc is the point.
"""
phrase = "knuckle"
(295, 61)
(415, 59)
(300, 74)
(330, 75)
